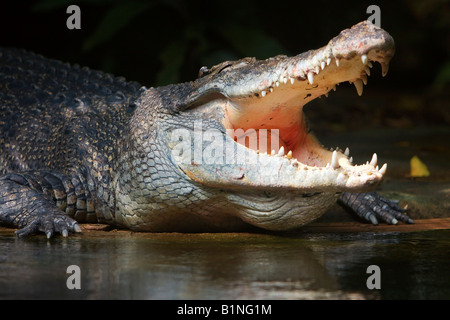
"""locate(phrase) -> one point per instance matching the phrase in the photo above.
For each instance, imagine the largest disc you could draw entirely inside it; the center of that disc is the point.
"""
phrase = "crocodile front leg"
(35, 202)
(371, 207)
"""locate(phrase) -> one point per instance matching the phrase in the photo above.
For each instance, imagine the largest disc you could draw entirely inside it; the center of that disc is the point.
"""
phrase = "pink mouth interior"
(274, 130)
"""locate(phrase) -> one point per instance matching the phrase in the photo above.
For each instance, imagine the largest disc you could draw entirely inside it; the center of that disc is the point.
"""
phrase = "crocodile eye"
(203, 71)
(216, 69)
(226, 65)
(233, 66)
(223, 67)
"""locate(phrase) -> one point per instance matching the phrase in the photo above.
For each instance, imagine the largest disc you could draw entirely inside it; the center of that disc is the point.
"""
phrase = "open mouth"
(261, 107)
(274, 117)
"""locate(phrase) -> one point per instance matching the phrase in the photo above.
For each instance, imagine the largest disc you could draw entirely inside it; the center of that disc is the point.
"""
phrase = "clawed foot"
(49, 224)
(373, 207)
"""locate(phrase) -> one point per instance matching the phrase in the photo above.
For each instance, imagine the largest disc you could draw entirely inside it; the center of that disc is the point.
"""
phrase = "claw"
(373, 219)
(371, 206)
(49, 224)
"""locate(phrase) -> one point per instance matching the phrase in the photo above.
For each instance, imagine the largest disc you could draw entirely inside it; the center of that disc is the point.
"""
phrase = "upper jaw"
(248, 78)
(347, 57)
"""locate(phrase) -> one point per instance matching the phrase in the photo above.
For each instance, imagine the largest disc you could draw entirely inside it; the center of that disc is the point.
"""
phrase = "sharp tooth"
(334, 161)
(347, 151)
(374, 160)
(340, 177)
(292, 80)
(272, 153)
(284, 80)
(384, 68)
(364, 79)
(364, 59)
(359, 86)
(277, 83)
(370, 64)
(263, 93)
(334, 88)
(350, 159)
(367, 70)
(281, 152)
(317, 69)
(383, 169)
(326, 94)
(271, 89)
(322, 65)
(310, 77)
(337, 62)
(289, 155)
(328, 61)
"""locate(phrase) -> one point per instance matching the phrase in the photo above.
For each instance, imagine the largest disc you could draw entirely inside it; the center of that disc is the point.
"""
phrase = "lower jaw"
(296, 211)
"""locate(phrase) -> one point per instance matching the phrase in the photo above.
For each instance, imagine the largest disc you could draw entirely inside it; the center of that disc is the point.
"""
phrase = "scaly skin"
(81, 145)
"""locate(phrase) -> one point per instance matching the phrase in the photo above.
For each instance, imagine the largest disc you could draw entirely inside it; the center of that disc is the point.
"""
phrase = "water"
(227, 266)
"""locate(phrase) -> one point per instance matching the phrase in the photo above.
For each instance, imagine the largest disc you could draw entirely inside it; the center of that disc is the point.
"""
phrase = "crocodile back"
(52, 114)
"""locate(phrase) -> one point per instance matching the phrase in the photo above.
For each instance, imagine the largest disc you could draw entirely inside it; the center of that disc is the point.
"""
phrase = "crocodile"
(227, 151)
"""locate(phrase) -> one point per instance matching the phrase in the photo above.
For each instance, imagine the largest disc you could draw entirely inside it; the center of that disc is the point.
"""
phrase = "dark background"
(166, 41)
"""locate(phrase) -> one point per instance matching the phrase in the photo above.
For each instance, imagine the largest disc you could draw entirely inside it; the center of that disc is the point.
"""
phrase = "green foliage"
(250, 41)
(179, 33)
(114, 20)
(442, 78)
(158, 42)
(172, 58)
(48, 5)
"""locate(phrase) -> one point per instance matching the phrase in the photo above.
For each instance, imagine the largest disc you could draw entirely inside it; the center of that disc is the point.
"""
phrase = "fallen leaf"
(418, 168)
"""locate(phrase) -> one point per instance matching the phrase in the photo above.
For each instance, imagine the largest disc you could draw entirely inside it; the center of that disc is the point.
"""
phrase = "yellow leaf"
(418, 168)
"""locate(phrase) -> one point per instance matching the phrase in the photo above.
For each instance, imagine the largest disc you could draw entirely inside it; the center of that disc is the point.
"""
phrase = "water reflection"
(227, 266)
